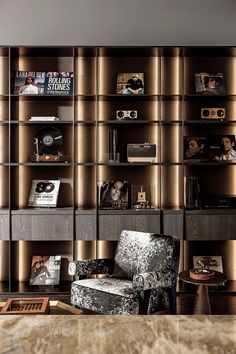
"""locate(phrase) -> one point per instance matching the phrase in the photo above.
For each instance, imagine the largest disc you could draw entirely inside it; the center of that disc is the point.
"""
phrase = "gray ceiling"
(117, 22)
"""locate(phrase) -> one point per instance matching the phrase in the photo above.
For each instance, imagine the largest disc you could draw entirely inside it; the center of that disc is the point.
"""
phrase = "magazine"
(58, 83)
(44, 193)
(209, 83)
(45, 270)
(43, 83)
(29, 83)
(130, 83)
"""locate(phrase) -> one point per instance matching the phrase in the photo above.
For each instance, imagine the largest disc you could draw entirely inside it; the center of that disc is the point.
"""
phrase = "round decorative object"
(49, 187)
(201, 274)
(49, 140)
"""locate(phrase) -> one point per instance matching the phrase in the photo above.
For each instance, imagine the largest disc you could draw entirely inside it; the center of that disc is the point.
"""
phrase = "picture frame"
(208, 262)
(209, 83)
(114, 195)
(196, 148)
(130, 83)
(222, 147)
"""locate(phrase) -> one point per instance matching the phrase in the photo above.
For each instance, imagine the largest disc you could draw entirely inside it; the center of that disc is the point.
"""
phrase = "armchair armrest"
(153, 280)
(91, 266)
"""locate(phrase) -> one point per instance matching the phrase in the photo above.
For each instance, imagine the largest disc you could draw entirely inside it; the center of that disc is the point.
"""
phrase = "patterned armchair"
(141, 279)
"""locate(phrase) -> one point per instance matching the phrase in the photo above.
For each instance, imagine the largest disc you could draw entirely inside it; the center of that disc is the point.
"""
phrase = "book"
(43, 119)
(45, 270)
(130, 83)
(58, 83)
(29, 83)
(44, 193)
(206, 83)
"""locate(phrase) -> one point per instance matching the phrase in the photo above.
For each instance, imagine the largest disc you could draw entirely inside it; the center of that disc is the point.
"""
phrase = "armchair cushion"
(109, 295)
(91, 266)
(141, 252)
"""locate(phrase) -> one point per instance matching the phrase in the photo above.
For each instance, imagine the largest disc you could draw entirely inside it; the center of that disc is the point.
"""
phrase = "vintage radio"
(213, 113)
(141, 152)
(126, 115)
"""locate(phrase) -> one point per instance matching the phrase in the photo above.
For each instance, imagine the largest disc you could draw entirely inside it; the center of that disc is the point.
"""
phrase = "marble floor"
(118, 334)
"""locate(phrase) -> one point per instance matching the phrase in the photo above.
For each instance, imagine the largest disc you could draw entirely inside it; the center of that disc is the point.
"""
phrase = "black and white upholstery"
(140, 279)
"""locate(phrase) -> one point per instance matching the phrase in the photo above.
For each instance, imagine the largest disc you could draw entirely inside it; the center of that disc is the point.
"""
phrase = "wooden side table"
(202, 304)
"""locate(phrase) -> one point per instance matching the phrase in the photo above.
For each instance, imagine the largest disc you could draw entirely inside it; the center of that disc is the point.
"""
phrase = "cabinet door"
(173, 225)
(4, 227)
(42, 227)
(110, 226)
(85, 227)
(210, 227)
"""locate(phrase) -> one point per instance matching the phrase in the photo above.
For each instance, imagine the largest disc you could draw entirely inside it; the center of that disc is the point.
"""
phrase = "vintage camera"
(141, 152)
(126, 115)
(213, 113)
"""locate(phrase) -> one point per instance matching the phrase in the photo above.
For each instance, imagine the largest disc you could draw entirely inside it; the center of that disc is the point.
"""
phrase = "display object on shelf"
(142, 153)
(217, 201)
(43, 83)
(207, 83)
(201, 274)
(29, 83)
(196, 148)
(191, 192)
(130, 83)
(222, 147)
(44, 193)
(213, 113)
(113, 155)
(58, 83)
(43, 119)
(123, 115)
(208, 262)
(45, 270)
(48, 143)
(142, 196)
(114, 195)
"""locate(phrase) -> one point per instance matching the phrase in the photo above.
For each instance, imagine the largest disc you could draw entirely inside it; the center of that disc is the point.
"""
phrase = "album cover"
(44, 193)
(114, 195)
(222, 147)
(208, 262)
(196, 148)
(29, 83)
(130, 83)
(209, 83)
(45, 270)
(58, 83)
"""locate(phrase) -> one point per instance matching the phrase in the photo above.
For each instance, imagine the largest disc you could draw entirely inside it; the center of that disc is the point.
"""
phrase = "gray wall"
(117, 22)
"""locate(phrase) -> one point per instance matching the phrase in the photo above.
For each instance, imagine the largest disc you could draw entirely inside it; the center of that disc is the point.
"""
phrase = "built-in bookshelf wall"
(168, 111)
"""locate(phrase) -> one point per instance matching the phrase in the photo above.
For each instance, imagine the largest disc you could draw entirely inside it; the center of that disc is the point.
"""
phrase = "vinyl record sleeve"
(45, 270)
(44, 193)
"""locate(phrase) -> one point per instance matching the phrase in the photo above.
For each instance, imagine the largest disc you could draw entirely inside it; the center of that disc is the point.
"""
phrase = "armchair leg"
(144, 301)
(172, 300)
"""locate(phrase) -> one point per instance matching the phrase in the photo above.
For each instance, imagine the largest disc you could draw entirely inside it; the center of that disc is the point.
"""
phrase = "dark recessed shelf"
(128, 121)
(128, 164)
(57, 122)
(85, 211)
(170, 122)
(195, 96)
(43, 97)
(112, 97)
(211, 211)
(42, 211)
(174, 97)
(171, 163)
(85, 97)
(85, 163)
(214, 122)
(154, 211)
(172, 210)
(209, 163)
(24, 287)
(42, 164)
(85, 122)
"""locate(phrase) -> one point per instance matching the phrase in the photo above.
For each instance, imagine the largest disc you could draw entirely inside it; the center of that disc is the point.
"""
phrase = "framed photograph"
(45, 270)
(208, 262)
(114, 195)
(142, 196)
(209, 83)
(196, 148)
(222, 147)
(130, 83)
